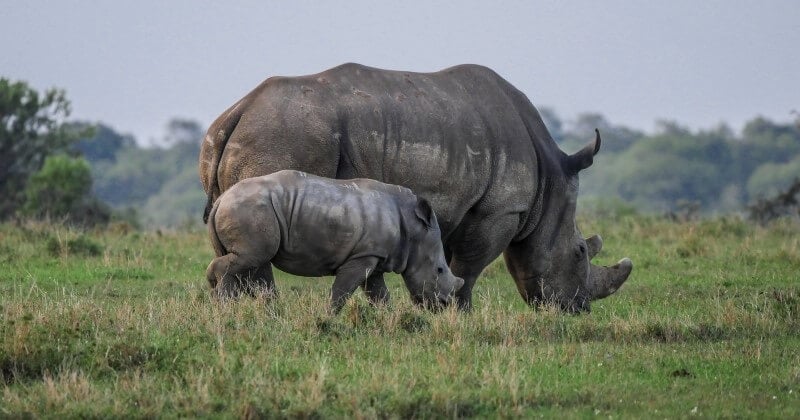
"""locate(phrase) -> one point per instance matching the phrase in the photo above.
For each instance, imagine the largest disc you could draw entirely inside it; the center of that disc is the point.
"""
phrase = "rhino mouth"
(539, 298)
(435, 304)
(574, 307)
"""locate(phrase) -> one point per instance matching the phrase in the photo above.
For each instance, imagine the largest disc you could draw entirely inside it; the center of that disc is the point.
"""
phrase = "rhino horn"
(583, 158)
(604, 281)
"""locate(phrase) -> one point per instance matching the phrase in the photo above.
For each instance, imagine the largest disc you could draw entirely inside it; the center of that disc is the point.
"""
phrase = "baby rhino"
(306, 225)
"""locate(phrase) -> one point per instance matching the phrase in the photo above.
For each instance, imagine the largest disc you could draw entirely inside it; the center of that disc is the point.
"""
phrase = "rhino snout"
(445, 297)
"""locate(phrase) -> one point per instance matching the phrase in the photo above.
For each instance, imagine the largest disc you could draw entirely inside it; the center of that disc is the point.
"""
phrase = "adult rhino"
(463, 138)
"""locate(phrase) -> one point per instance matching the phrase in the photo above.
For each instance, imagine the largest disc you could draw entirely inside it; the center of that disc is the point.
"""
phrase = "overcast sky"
(136, 64)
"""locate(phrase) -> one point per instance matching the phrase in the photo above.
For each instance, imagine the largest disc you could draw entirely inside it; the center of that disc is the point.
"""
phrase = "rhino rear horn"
(424, 212)
(583, 158)
(604, 281)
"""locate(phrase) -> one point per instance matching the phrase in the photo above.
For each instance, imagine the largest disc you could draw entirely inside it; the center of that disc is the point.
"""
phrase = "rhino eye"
(440, 270)
(581, 251)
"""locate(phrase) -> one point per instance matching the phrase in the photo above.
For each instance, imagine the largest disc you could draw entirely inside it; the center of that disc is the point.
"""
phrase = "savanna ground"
(119, 323)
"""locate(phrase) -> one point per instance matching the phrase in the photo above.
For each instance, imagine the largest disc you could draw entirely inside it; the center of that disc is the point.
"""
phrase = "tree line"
(90, 173)
(717, 171)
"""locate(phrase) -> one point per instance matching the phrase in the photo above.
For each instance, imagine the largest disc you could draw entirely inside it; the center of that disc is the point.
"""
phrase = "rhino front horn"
(604, 281)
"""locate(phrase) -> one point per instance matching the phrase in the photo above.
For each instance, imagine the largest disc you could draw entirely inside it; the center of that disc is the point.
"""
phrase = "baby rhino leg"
(225, 275)
(375, 288)
(349, 276)
(251, 243)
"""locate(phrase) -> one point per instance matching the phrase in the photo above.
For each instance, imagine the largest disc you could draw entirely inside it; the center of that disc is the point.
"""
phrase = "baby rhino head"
(427, 275)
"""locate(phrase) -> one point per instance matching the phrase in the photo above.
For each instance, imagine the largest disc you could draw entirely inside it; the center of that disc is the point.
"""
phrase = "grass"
(119, 323)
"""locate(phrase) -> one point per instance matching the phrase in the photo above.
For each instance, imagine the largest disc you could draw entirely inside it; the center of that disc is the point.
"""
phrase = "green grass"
(119, 324)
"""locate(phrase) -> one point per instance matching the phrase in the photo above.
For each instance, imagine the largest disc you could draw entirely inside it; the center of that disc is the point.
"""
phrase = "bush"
(62, 189)
(81, 245)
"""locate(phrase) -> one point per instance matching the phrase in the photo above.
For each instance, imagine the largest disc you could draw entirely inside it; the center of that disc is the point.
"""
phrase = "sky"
(134, 65)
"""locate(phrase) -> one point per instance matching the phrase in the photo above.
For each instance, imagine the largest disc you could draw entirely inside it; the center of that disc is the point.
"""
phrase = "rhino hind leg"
(225, 274)
(375, 289)
(232, 275)
(349, 276)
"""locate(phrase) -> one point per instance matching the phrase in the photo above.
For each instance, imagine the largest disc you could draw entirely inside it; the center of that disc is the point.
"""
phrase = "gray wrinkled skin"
(306, 225)
(463, 138)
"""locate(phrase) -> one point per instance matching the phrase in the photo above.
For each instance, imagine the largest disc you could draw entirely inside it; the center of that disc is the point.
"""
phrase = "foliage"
(183, 195)
(31, 128)
(703, 327)
(784, 204)
(62, 190)
(103, 145)
(55, 188)
(771, 178)
(160, 184)
(718, 169)
(81, 245)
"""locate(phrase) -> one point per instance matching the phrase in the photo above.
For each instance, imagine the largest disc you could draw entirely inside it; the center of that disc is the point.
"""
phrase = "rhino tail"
(216, 139)
(209, 204)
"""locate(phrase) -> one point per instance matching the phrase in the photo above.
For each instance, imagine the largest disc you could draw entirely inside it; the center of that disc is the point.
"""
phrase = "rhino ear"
(424, 212)
(594, 244)
(583, 158)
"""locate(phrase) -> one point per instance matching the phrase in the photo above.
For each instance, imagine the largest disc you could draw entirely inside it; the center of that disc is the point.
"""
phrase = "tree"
(675, 165)
(103, 144)
(771, 178)
(62, 190)
(766, 141)
(60, 184)
(159, 182)
(31, 128)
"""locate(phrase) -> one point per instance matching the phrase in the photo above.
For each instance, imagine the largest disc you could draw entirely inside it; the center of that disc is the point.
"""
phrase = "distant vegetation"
(716, 170)
(674, 170)
(153, 186)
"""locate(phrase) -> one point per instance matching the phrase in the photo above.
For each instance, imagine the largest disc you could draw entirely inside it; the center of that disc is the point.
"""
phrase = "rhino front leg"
(349, 276)
(375, 289)
(475, 248)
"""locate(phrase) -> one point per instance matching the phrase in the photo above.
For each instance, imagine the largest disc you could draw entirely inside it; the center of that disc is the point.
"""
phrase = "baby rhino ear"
(424, 212)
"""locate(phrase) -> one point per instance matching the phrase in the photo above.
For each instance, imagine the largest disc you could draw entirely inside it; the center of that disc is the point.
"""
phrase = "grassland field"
(119, 323)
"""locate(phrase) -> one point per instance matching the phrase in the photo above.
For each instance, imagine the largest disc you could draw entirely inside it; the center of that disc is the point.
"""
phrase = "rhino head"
(553, 265)
(427, 275)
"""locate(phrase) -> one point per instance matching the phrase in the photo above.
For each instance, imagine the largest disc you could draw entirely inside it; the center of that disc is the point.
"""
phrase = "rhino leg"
(349, 276)
(233, 274)
(261, 282)
(375, 289)
(473, 250)
(224, 275)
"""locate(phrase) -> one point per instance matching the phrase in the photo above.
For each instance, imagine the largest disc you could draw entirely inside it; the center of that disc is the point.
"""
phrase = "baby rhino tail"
(219, 249)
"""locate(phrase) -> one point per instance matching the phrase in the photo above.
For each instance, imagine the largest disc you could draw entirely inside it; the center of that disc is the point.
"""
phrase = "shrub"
(62, 189)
